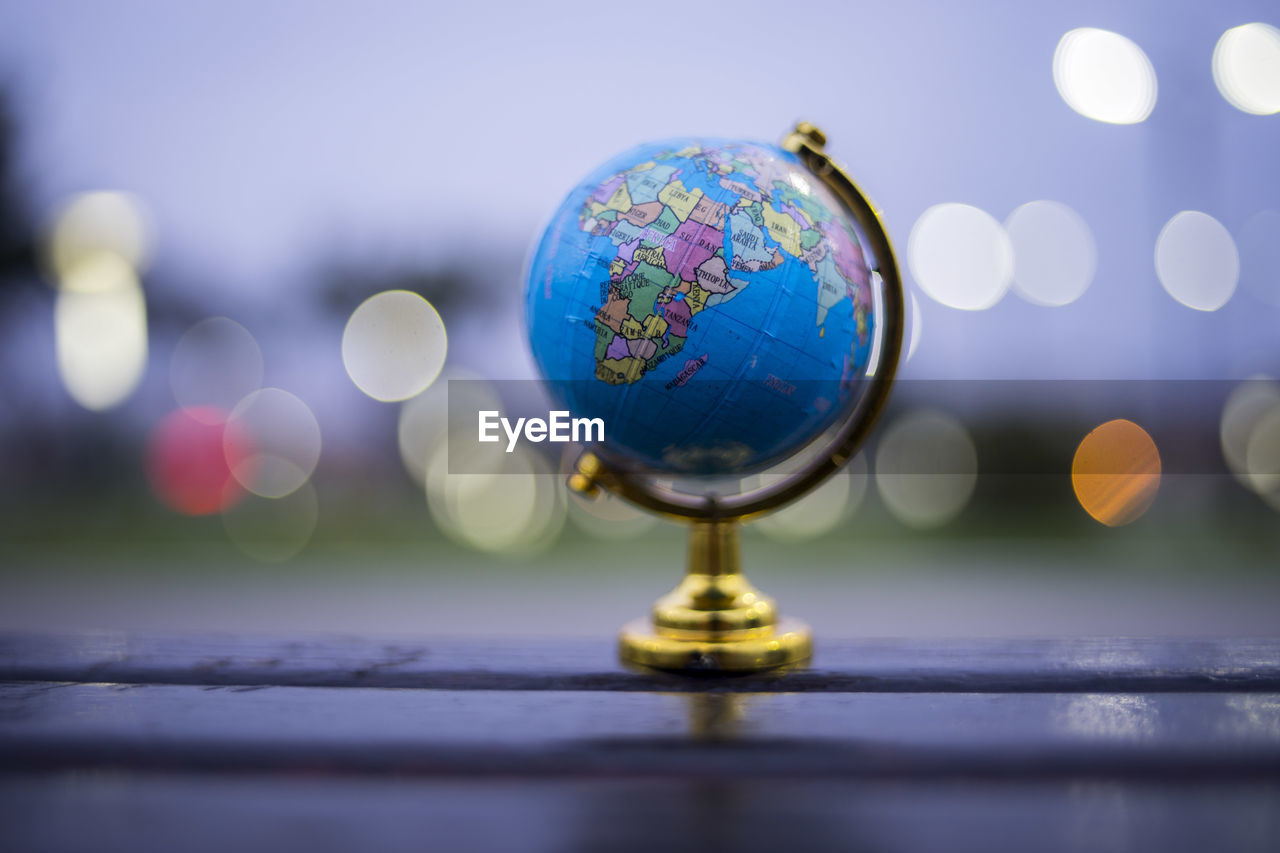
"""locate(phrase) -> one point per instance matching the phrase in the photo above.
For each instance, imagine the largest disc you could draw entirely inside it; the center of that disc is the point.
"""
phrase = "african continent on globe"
(710, 300)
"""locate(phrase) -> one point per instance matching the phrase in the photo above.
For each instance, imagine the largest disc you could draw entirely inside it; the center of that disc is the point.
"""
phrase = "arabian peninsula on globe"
(710, 300)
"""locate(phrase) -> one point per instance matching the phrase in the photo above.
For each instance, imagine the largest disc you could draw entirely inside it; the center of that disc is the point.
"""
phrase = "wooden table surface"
(119, 742)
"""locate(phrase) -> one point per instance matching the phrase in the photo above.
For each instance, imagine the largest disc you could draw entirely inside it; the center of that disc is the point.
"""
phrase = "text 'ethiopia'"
(558, 427)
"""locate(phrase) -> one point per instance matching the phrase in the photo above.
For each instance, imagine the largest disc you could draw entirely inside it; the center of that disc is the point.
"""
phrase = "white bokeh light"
(100, 331)
(216, 363)
(394, 345)
(425, 423)
(926, 468)
(104, 221)
(518, 509)
(960, 256)
(1246, 68)
(1196, 260)
(1249, 405)
(1262, 454)
(821, 510)
(1054, 257)
(284, 438)
(609, 518)
(1104, 76)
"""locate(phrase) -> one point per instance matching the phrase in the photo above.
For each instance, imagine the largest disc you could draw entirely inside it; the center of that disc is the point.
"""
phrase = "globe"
(711, 301)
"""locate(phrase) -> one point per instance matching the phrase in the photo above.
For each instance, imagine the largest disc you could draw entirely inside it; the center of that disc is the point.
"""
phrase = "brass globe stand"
(715, 620)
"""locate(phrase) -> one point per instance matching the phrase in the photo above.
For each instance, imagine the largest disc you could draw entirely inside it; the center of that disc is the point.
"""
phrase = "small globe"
(710, 300)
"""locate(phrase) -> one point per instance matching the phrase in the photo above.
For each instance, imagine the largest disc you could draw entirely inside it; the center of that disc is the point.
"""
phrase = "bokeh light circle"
(100, 222)
(425, 421)
(603, 516)
(1262, 454)
(926, 468)
(286, 442)
(1116, 472)
(608, 517)
(960, 256)
(394, 345)
(1104, 76)
(421, 427)
(1249, 404)
(519, 508)
(1246, 68)
(273, 530)
(1196, 261)
(216, 363)
(189, 459)
(821, 510)
(100, 331)
(1054, 257)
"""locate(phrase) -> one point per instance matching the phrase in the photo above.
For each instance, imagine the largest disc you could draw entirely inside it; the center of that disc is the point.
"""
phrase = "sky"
(268, 138)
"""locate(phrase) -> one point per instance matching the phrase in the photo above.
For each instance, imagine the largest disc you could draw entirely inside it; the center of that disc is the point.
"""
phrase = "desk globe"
(728, 309)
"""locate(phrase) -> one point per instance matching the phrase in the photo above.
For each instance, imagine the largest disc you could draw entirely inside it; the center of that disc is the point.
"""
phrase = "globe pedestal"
(714, 620)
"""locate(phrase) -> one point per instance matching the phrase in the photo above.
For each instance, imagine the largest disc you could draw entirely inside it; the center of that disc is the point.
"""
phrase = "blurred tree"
(455, 290)
(18, 263)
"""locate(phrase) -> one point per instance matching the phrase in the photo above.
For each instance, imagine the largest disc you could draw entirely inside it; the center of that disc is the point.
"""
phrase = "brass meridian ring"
(806, 142)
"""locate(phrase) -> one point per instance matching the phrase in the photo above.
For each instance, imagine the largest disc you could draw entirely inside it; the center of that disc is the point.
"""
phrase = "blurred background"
(245, 246)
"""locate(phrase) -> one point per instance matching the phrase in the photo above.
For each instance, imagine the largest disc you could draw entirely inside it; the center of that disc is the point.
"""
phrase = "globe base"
(715, 620)
(788, 643)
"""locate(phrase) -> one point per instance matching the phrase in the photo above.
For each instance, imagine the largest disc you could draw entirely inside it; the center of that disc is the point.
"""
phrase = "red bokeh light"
(190, 456)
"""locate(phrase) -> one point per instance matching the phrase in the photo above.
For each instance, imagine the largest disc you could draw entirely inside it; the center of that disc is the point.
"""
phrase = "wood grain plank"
(115, 812)
(549, 733)
(896, 666)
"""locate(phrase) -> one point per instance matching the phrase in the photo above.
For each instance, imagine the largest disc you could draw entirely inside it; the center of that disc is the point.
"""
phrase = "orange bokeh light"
(1116, 472)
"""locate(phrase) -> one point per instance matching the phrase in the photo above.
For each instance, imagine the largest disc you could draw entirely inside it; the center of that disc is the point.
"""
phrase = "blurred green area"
(1210, 518)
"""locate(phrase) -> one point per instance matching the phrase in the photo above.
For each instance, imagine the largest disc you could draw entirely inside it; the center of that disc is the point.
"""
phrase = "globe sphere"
(711, 301)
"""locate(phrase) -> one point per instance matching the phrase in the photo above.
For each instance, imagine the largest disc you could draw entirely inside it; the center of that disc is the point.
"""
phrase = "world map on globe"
(710, 300)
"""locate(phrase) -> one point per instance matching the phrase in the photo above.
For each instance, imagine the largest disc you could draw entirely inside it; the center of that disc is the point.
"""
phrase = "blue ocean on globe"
(710, 300)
